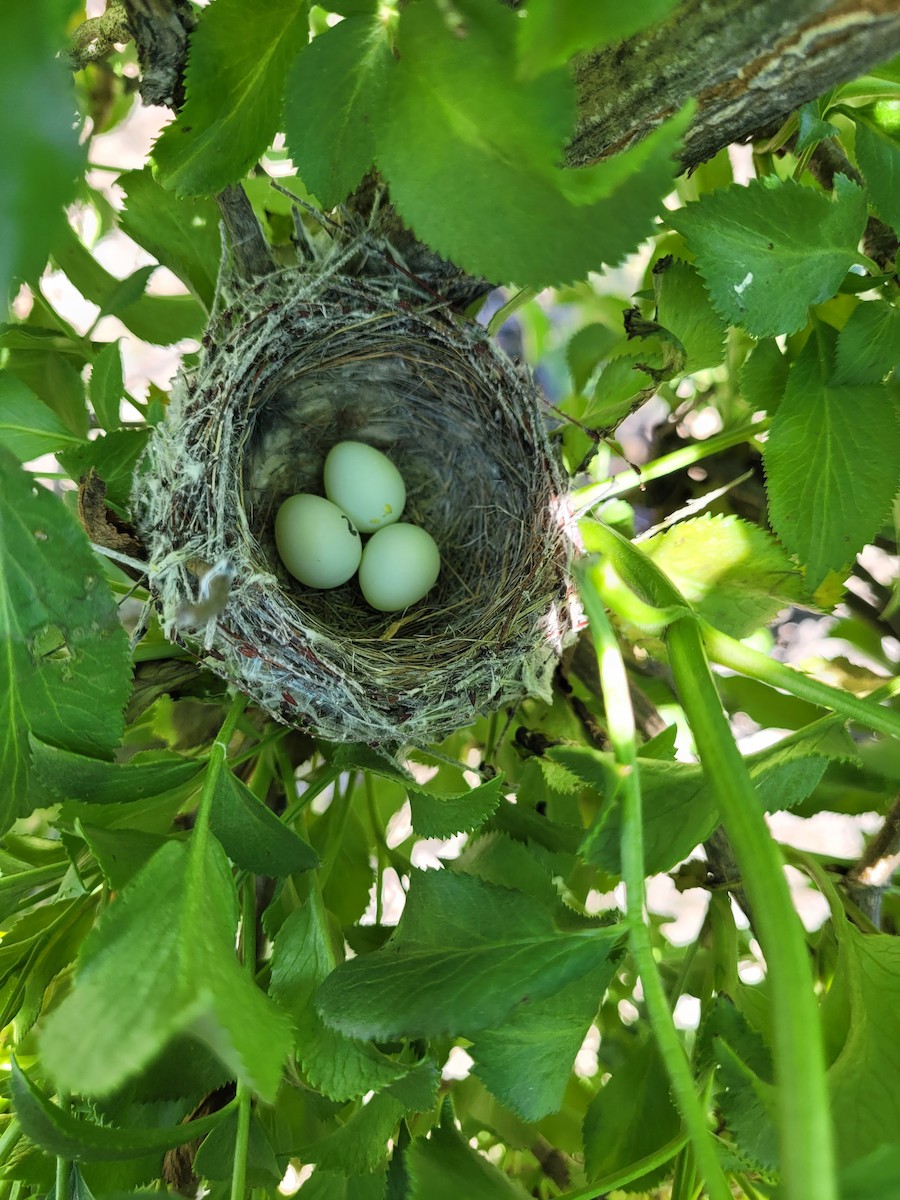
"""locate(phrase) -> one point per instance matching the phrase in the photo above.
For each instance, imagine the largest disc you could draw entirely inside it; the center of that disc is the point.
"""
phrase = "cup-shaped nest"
(299, 363)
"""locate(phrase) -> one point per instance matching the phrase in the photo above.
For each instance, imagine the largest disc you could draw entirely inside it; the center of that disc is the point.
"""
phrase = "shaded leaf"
(97, 782)
(64, 670)
(555, 30)
(107, 386)
(361, 1144)
(443, 1166)
(28, 428)
(464, 956)
(304, 955)
(869, 344)
(67, 1136)
(161, 962)
(878, 154)
(764, 375)
(252, 835)
(444, 816)
(684, 309)
(215, 1158)
(586, 349)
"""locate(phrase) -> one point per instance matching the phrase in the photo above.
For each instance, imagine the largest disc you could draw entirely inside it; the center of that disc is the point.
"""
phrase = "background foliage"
(512, 1035)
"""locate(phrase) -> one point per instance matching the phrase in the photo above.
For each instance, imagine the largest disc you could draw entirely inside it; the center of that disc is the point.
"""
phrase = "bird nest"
(297, 363)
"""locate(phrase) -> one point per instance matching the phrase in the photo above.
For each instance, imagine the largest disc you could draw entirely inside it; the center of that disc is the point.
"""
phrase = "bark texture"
(748, 64)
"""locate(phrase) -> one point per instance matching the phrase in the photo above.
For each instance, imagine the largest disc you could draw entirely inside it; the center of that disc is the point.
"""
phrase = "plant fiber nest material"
(295, 364)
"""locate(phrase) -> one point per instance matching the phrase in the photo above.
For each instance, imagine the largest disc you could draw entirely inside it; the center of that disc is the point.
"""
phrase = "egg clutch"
(319, 540)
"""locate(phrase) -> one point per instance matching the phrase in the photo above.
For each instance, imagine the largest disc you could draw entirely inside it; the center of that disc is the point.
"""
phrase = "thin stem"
(244, 1096)
(679, 460)
(736, 656)
(63, 1189)
(804, 1124)
(218, 757)
(620, 722)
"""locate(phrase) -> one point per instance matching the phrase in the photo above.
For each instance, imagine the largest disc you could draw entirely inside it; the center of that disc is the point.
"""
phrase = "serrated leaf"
(555, 30)
(334, 90)
(499, 859)
(868, 346)
(753, 248)
(471, 158)
(42, 157)
(252, 835)
(341, 1067)
(734, 574)
(444, 1167)
(69, 775)
(878, 155)
(465, 955)
(864, 1006)
(28, 428)
(161, 962)
(181, 233)
(812, 128)
(831, 462)
(746, 1096)
(107, 385)
(238, 62)
(64, 663)
(618, 1141)
(683, 308)
(361, 1145)
(54, 378)
(120, 853)
(526, 1062)
(444, 816)
(329, 1185)
(75, 1138)
(763, 376)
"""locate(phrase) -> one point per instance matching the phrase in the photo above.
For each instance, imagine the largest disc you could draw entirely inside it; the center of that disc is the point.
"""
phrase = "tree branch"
(161, 29)
(868, 880)
(747, 65)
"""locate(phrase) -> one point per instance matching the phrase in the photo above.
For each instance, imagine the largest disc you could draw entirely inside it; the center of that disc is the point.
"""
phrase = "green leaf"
(70, 775)
(746, 1094)
(161, 962)
(215, 1158)
(161, 320)
(878, 155)
(831, 462)
(444, 816)
(444, 1167)
(28, 428)
(361, 1145)
(114, 456)
(684, 309)
(107, 385)
(252, 835)
(64, 663)
(120, 853)
(304, 955)
(763, 376)
(620, 1142)
(239, 59)
(54, 378)
(465, 955)
(527, 1061)
(753, 248)
(334, 91)
(67, 1136)
(555, 30)
(586, 349)
(621, 388)
(471, 156)
(863, 1007)
(329, 1185)
(869, 344)
(812, 128)
(878, 1174)
(42, 158)
(181, 234)
(734, 574)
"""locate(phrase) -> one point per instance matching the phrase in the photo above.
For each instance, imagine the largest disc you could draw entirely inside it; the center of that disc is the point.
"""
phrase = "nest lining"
(296, 364)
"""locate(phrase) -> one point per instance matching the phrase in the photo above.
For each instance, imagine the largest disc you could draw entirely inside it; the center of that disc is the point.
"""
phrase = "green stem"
(244, 1096)
(63, 1189)
(740, 658)
(620, 723)
(218, 757)
(805, 1134)
(679, 460)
